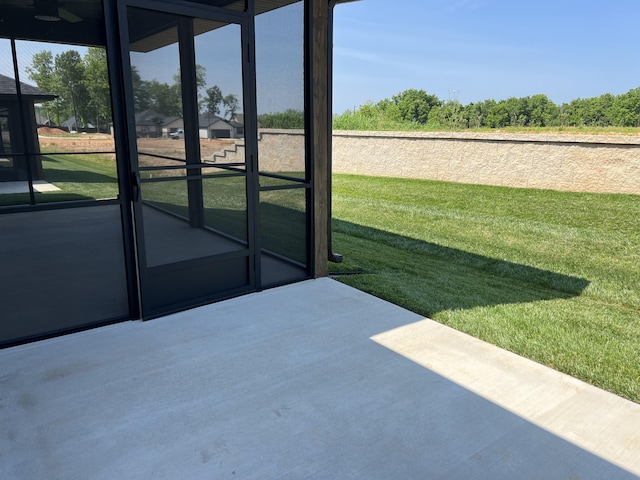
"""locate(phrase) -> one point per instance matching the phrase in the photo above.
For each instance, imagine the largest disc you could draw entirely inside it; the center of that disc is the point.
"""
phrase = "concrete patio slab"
(311, 380)
(40, 186)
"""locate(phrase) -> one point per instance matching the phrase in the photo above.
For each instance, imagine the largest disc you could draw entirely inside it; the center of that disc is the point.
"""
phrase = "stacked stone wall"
(581, 163)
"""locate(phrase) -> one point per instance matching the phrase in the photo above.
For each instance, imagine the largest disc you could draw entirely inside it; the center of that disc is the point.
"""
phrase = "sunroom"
(104, 224)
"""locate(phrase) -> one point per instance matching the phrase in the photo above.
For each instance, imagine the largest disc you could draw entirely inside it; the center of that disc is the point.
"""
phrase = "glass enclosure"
(184, 182)
(283, 175)
(61, 238)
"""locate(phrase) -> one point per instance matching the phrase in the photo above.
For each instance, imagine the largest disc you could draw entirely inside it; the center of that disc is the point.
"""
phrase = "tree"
(201, 82)
(69, 71)
(141, 99)
(476, 113)
(164, 98)
(42, 72)
(96, 82)
(625, 110)
(415, 105)
(289, 119)
(230, 103)
(542, 112)
(213, 99)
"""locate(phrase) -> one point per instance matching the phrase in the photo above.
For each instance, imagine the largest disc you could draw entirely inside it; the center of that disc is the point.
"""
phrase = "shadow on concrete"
(404, 265)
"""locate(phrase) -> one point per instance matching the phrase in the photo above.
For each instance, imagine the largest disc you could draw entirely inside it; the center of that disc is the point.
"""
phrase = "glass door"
(192, 193)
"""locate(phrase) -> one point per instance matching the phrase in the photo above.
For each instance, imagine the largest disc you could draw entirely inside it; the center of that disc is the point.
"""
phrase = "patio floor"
(311, 380)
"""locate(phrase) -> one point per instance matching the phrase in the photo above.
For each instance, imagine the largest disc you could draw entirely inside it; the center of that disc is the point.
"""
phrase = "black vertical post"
(191, 124)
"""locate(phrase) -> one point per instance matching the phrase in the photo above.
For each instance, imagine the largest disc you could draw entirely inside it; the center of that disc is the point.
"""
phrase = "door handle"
(136, 187)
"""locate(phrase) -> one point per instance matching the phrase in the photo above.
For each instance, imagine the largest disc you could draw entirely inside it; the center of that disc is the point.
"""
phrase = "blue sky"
(474, 50)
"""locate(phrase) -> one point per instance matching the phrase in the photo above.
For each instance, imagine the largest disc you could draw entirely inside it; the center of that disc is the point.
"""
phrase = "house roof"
(71, 123)
(205, 120)
(152, 118)
(8, 89)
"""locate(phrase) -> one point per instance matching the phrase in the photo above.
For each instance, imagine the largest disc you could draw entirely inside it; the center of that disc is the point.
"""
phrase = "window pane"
(157, 89)
(61, 269)
(280, 89)
(283, 230)
(76, 177)
(63, 124)
(169, 236)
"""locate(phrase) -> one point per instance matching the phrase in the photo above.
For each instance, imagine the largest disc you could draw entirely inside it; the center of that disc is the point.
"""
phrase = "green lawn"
(552, 276)
(78, 176)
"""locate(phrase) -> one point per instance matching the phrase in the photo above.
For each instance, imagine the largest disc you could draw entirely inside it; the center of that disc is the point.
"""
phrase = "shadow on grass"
(77, 176)
(282, 229)
(18, 199)
(428, 278)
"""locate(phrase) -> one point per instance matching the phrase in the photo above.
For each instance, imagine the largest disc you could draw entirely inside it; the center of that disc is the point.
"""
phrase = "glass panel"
(280, 89)
(190, 210)
(284, 211)
(61, 269)
(157, 90)
(12, 190)
(283, 235)
(87, 176)
(67, 115)
(219, 77)
(169, 216)
(67, 88)
(5, 133)
(281, 141)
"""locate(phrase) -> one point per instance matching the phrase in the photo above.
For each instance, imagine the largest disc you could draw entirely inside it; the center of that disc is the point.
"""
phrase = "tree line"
(420, 109)
(81, 86)
(80, 83)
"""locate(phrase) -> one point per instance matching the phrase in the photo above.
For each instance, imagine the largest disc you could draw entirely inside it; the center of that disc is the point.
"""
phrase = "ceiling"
(81, 22)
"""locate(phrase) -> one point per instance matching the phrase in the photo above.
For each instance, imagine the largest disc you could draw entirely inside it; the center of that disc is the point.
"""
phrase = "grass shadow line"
(428, 278)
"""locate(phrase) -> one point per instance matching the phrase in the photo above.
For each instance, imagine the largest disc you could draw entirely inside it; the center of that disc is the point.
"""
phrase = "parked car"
(177, 134)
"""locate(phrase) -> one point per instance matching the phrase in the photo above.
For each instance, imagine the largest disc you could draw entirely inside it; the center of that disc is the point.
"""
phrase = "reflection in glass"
(62, 126)
(80, 278)
(283, 224)
(5, 132)
(83, 176)
(169, 236)
(157, 89)
(280, 90)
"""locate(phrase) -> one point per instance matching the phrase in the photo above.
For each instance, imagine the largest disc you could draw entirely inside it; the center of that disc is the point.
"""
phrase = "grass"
(282, 212)
(79, 177)
(362, 122)
(552, 276)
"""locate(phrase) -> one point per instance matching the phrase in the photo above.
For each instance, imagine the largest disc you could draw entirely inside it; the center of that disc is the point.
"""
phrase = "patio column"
(320, 127)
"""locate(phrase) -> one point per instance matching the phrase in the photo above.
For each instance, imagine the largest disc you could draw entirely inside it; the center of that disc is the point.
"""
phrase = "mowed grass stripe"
(550, 275)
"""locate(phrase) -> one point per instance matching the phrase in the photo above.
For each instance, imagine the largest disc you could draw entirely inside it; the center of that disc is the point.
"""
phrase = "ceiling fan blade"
(68, 16)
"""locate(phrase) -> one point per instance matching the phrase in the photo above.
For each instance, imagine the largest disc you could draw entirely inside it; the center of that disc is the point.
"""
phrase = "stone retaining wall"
(580, 163)
(589, 163)
(279, 151)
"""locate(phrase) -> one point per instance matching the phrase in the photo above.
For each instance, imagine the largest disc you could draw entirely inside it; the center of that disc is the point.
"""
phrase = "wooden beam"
(320, 119)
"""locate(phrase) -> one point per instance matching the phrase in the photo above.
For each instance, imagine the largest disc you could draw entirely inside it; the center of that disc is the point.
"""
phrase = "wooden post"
(319, 66)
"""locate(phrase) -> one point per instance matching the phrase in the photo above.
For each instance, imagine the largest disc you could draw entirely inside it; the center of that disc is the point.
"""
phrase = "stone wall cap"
(499, 137)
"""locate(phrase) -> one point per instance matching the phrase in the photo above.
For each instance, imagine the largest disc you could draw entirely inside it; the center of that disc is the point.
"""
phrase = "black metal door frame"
(120, 71)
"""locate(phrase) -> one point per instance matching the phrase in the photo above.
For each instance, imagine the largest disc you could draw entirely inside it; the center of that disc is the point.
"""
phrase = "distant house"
(72, 125)
(149, 124)
(212, 126)
(42, 121)
(171, 125)
(14, 131)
